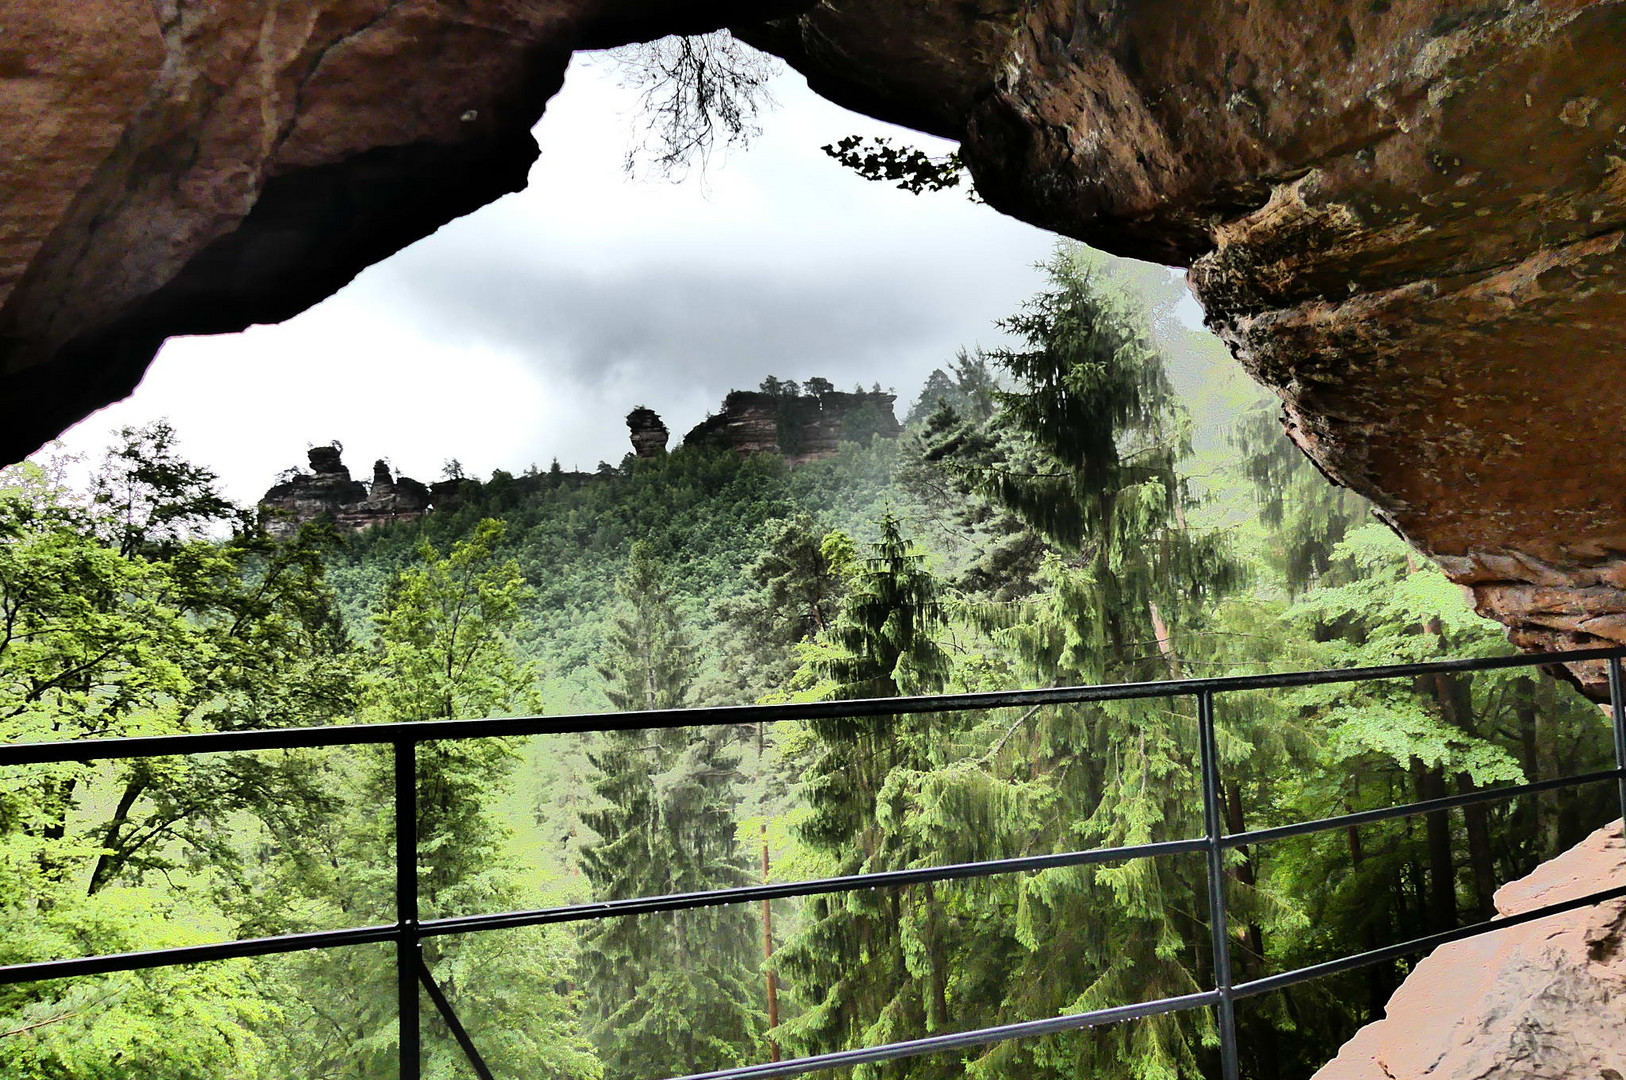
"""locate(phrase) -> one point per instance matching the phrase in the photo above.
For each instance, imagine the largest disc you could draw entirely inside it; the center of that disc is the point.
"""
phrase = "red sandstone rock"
(802, 427)
(1542, 1001)
(1407, 218)
(648, 432)
(328, 491)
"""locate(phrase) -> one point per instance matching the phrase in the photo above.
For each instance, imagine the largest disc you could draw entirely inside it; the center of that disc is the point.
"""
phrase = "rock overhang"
(1405, 218)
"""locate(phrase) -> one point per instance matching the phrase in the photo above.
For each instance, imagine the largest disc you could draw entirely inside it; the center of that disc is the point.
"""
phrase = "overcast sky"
(529, 329)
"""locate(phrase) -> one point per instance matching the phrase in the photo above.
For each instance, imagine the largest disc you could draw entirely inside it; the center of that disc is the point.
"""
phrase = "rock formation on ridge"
(649, 434)
(328, 491)
(802, 427)
(1405, 217)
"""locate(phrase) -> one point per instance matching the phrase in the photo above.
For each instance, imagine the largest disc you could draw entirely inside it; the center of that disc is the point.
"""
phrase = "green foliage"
(799, 581)
(871, 965)
(1307, 515)
(442, 651)
(668, 993)
(118, 618)
(651, 659)
(1052, 515)
(703, 512)
(443, 634)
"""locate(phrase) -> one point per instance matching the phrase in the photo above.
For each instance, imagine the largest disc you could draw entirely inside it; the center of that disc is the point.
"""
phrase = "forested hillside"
(1103, 501)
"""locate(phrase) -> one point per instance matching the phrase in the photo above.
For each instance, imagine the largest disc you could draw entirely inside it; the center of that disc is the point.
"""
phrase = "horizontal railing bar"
(1422, 944)
(960, 1040)
(86, 750)
(194, 954)
(1428, 806)
(646, 905)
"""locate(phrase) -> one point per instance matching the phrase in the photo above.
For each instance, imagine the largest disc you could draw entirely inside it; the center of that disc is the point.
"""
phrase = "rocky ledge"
(802, 427)
(1545, 1000)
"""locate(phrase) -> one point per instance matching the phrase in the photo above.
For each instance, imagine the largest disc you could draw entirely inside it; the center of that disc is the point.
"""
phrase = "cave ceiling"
(1405, 218)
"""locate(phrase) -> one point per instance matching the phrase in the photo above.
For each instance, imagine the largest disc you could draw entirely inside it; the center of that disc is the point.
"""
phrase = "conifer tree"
(875, 964)
(674, 992)
(1084, 453)
(1131, 581)
(796, 594)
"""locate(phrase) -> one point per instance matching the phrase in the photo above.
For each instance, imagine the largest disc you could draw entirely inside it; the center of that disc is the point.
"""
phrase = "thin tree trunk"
(1262, 1032)
(1537, 807)
(767, 948)
(110, 840)
(1165, 641)
(1246, 874)
(1480, 858)
(1457, 705)
(1442, 878)
(1378, 987)
(938, 1003)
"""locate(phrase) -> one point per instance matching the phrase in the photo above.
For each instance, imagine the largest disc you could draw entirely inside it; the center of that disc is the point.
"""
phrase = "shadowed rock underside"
(1405, 217)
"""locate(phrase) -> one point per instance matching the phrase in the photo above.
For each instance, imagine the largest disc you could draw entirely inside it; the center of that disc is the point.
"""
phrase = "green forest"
(1105, 499)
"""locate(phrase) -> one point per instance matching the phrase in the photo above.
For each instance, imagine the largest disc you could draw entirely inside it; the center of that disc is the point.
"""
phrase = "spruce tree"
(1084, 455)
(674, 992)
(874, 963)
(1128, 590)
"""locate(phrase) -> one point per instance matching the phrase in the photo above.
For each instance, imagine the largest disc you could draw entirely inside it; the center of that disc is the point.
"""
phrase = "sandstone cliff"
(802, 427)
(328, 491)
(1542, 1001)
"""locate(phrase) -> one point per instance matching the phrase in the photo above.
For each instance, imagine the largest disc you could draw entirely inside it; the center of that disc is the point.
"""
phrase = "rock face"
(802, 427)
(1541, 1001)
(649, 434)
(328, 491)
(1406, 218)
(172, 167)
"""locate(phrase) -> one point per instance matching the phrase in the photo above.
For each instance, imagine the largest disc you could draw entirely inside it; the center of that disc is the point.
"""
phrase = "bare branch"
(695, 93)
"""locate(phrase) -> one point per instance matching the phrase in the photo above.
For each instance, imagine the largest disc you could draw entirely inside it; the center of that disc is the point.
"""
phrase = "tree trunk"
(1480, 859)
(1536, 809)
(1246, 874)
(1456, 699)
(1165, 641)
(767, 949)
(106, 863)
(1442, 878)
(1378, 976)
(937, 1011)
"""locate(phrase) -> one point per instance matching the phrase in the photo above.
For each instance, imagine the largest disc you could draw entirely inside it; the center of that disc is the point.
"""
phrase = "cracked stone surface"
(1405, 216)
(1545, 1000)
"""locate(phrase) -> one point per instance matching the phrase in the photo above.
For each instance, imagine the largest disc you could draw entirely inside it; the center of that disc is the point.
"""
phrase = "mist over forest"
(1107, 499)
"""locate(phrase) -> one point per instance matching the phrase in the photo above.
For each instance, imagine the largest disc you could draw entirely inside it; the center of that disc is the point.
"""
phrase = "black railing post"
(1617, 707)
(407, 945)
(1209, 751)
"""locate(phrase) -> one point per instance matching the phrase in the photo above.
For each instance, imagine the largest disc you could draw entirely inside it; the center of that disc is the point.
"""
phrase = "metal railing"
(409, 931)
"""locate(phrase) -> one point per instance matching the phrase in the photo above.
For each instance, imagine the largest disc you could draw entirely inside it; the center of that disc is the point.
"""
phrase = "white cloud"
(528, 329)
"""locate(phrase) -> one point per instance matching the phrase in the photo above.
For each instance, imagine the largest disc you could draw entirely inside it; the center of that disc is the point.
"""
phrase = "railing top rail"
(219, 742)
